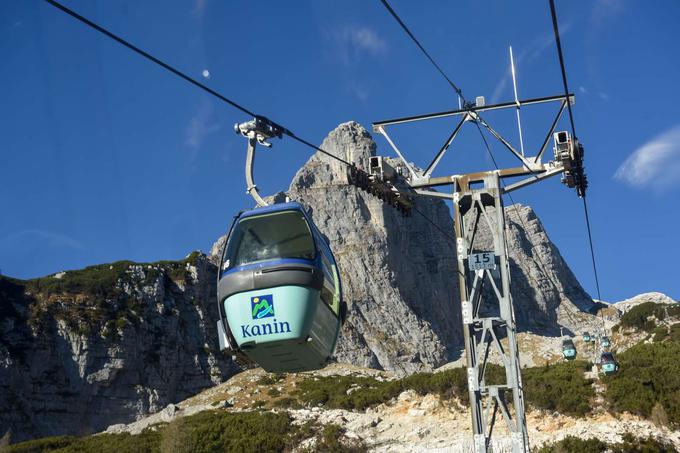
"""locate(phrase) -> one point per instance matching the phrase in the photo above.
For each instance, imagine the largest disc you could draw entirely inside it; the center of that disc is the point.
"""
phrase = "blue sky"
(107, 157)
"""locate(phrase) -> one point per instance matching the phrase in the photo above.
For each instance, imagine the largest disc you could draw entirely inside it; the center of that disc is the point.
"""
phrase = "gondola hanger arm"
(257, 130)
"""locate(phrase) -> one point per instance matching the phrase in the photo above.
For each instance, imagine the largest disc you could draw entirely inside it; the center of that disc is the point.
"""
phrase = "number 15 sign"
(484, 260)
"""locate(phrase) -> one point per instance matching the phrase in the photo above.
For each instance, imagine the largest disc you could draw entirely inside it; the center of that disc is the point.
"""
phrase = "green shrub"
(287, 402)
(255, 431)
(632, 444)
(40, 445)
(360, 392)
(648, 374)
(273, 392)
(332, 439)
(660, 333)
(674, 333)
(208, 431)
(145, 442)
(99, 280)
(638, 316)
(560, 387)
(269, 379)
(172, 437)
(266, 380)
(571, 444)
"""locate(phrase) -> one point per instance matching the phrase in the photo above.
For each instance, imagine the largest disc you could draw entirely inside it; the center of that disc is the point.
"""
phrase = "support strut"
(257, 130)
(486, 320)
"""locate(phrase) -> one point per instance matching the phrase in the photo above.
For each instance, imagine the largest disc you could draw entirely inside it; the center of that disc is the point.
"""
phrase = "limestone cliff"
(84, 349)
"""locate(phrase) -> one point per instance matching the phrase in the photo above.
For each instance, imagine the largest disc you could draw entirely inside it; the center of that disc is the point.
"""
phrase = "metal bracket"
(257, 130)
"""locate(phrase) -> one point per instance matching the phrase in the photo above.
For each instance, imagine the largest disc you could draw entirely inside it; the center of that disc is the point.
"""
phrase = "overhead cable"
(592, 250)
(542, 268)
(182, 75)
(556, 31)
(420, 46)
(202, 86)
(562, 68)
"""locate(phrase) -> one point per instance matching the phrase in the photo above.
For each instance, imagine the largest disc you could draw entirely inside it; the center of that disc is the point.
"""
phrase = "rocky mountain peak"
(349, 141)
(399, 274)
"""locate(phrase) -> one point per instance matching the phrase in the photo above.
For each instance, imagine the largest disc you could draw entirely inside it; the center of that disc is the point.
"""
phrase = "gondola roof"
(291, 205)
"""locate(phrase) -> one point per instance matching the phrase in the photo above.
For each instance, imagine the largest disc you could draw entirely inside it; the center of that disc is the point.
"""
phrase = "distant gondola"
(568, 349)
(608, 364)
(586, 337)
(279, 292)
(605, 342)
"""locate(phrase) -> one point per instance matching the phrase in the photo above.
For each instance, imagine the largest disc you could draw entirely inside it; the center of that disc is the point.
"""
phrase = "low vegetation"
(208, 431)
(648, 382)
(667, 333)
(361, 392)
(560, 387)
(645, 316)
(629, 444)
(147, 441)
(571, 444)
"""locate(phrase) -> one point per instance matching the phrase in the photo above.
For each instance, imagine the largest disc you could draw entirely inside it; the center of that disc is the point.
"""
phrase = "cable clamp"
(261, 129)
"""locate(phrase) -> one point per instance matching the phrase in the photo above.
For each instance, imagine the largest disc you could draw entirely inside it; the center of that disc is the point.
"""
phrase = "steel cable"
(205, 88)
(542, 266)
(420, 46)
(560, 55)
(182, 75)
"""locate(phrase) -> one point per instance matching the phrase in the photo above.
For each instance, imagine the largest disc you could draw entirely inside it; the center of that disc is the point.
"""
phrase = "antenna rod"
(514, 86)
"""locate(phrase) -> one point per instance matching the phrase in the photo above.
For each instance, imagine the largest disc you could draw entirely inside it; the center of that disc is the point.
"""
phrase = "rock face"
(545, 291)
(399, 274)
(76, 358)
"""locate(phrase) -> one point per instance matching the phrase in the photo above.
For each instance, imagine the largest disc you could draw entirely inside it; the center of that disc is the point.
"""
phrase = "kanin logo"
(262, 306)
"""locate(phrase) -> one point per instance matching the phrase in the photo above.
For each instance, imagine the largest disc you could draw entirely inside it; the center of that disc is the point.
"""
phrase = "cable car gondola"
(568, 349)
(586, 337)
(608, 364)
(279, 291)
(605, 342)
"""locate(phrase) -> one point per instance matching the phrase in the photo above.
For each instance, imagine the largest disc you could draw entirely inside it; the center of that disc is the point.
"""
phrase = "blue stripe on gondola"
(267, 264)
